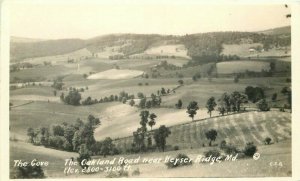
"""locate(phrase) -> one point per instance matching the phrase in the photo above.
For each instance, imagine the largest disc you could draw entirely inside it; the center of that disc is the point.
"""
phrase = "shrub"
(230, 149)
(117, 174)
(267, 140)
(222, 144)
(176, 147)
(180, 156)
(136, 172)
(29, 172)
(140, 84)
(262, 105)
(213, 153)
(250, 149)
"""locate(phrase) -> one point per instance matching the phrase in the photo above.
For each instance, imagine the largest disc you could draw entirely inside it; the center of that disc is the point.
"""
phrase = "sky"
(87, 20)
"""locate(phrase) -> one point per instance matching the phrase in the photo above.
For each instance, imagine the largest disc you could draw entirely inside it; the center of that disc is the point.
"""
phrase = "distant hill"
(15, 39)
(204, 47)
(278, 31)
(19, 51)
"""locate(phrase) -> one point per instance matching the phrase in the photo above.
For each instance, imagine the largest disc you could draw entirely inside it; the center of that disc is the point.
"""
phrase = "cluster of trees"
(58, 84)
(165, 65)
(211, 135)
(196, 76)
(66, 137)
(73, 97)
(231, 102)
(179, 104)
(18, 66)
(89, 101)
(254, 93)
(223, 57)
(77, 137)
(164, 91)
(29, 172)
(117, 57)
(229, 149)
(141, 136)
(153, 101)
(287, 92)
(227, 103)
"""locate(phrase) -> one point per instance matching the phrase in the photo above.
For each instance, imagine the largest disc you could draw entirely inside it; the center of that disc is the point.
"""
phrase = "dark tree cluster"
(29, 172)
(196, 76)
(255, 93)
(160, 136)
(140, 135)
(117, 57)
(211, 135)
(287, 92)
(166, 66)
(231, 102)
(153, 101)
(73, 98)
(66, 137)
(58, 84)
(223, 57)
(142, 139)
(19, 66)
(89, 101)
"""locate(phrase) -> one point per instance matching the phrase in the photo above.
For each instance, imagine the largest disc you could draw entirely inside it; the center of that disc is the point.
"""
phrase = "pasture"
(60, 59)
(242, 66)
(243, 50)
(169, 50)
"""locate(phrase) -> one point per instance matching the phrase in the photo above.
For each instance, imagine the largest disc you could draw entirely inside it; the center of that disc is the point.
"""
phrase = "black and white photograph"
(174, 89)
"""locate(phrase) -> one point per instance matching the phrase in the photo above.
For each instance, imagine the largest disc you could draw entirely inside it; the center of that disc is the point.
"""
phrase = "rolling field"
(116, 74)
(121, 117)
(176, 50)
(46, 114)
(241, 50)
(59, 59)
(242, 66)
(237, 129)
